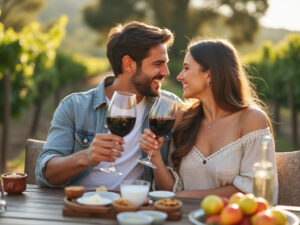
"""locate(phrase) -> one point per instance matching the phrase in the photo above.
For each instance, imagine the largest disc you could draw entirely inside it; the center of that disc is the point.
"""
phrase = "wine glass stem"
(112, 165)
(149, 155)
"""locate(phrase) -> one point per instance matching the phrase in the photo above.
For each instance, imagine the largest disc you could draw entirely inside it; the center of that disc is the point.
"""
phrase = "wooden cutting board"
(73, 209)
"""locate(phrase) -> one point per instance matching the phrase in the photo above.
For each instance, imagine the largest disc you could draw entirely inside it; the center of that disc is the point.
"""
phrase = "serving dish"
(131, 218)
(110, 195)
(158, 217)
(197, 217)
(89, 201)
(157, 195)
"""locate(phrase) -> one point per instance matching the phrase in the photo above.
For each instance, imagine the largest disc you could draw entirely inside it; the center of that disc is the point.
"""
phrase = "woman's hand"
(149, 142)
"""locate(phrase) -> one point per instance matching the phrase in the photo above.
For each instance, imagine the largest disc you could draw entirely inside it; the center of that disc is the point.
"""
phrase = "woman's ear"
(128, 64)
(208, 77)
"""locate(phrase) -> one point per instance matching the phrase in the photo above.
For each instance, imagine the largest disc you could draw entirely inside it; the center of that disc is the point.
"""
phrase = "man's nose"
(165, 71)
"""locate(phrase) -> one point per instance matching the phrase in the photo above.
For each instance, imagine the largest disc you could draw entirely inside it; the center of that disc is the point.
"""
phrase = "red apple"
(263, 218)
(262, 204)
(212, 204)
(248, 204)
(213, 220)
(231, 214)
(245, 221)
(225, 200)
(235, 198)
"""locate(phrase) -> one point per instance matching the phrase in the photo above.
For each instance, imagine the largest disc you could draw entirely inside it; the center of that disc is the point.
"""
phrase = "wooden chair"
(288, 168)
(33, 149)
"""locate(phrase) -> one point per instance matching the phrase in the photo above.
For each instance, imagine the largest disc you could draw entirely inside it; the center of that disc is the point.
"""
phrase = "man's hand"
(104, 148)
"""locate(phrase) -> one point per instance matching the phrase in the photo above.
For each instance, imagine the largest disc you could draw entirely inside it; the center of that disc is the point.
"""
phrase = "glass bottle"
(263, 184)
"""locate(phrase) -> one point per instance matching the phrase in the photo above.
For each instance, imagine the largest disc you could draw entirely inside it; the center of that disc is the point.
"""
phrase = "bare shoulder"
(253, 118)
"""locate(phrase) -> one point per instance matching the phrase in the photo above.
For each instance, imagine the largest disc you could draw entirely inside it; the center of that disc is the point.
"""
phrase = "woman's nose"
(179, 77)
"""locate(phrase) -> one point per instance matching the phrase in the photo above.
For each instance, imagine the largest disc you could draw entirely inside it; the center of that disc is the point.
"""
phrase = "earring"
(207, 83)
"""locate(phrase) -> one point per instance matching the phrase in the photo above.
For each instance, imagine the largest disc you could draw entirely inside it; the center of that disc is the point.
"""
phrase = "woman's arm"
(164, 179)
(225, 191)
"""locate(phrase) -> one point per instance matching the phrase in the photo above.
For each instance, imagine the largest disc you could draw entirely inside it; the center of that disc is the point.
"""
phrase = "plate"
(87, 201)
(198, 215)
(103, 194)
(157, 195)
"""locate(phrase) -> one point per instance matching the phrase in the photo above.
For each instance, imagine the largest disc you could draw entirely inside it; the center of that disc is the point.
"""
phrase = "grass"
(171, 86)
(94, 65)
(17, 164)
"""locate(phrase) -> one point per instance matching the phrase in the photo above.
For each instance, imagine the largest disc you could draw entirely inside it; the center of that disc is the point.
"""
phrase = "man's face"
(148, 77)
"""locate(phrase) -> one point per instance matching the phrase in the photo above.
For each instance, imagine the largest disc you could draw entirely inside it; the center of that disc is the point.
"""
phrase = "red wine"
(120, 125)
(161, 125)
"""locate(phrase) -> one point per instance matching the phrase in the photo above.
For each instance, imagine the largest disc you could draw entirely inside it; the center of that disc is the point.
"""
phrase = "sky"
(283, 14)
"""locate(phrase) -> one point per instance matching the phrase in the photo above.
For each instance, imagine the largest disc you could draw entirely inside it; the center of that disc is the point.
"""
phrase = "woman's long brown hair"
(231, 90)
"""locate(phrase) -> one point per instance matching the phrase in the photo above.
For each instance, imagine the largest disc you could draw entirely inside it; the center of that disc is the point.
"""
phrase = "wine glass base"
(111, 170)
(147, 163)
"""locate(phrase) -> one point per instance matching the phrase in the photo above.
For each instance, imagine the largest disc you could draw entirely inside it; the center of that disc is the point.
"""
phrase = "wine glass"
(120, 119)
(161, 120)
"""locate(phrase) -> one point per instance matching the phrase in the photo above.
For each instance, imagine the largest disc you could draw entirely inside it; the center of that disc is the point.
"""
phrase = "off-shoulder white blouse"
(232, 164)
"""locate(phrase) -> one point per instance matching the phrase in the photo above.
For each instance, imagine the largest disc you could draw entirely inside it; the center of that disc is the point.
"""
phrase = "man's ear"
(128, 64)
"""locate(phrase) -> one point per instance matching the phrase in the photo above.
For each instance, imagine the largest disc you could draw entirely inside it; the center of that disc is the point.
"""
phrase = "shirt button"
(105, 126)
(204, 162)
(85, 140)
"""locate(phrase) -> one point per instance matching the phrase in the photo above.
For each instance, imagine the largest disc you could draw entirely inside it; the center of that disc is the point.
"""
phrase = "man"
(79, 143)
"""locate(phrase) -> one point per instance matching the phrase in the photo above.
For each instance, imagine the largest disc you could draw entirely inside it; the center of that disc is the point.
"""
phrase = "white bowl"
(132, 218)
(159, 217)
(157, 195)
(110, 195)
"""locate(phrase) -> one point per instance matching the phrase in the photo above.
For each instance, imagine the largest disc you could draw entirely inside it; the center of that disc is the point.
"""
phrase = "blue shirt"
(77, 119)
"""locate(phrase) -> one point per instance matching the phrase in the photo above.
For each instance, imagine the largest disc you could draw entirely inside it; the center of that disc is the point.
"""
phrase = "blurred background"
(51, 48)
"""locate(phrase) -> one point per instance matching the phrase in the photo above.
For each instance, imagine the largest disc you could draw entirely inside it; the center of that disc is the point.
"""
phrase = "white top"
(232, 164)
(127, 163)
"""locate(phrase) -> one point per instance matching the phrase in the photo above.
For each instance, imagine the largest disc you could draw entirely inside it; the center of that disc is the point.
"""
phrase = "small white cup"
(135, 191)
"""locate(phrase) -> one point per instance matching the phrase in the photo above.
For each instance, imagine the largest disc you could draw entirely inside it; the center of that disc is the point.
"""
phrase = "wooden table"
(38, 206)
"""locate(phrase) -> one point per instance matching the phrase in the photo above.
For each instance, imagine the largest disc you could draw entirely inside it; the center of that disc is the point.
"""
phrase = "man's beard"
(142, 83)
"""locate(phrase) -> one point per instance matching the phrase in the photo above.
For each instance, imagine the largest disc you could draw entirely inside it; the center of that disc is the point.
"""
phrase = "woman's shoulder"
(251, 119)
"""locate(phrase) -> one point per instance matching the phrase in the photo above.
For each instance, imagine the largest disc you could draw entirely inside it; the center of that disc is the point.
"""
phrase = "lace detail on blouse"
(233, 146)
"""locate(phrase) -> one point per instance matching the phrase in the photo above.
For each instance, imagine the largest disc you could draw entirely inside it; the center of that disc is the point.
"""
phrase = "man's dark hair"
(135, 40)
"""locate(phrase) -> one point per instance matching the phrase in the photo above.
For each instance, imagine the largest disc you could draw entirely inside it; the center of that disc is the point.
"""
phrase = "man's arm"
(59, 170)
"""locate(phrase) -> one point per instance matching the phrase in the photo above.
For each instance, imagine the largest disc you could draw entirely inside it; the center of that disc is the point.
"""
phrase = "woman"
(218, 138)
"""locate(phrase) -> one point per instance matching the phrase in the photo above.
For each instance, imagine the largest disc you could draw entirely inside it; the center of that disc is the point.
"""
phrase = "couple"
(216, 140)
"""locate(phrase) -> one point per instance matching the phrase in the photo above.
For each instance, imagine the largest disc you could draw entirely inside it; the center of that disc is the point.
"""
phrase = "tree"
(289, 52)
(26, 60)
(236, 20)
(16, 14)
(278, 66)
(266, 65)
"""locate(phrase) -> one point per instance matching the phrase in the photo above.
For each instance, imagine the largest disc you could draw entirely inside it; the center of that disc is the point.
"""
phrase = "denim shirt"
(77, 119)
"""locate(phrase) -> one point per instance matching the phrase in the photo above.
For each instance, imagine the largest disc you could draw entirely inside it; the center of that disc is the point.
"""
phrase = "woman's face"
(193, 80)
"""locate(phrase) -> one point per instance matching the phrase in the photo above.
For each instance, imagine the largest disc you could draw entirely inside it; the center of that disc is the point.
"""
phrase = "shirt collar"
(100, 97)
